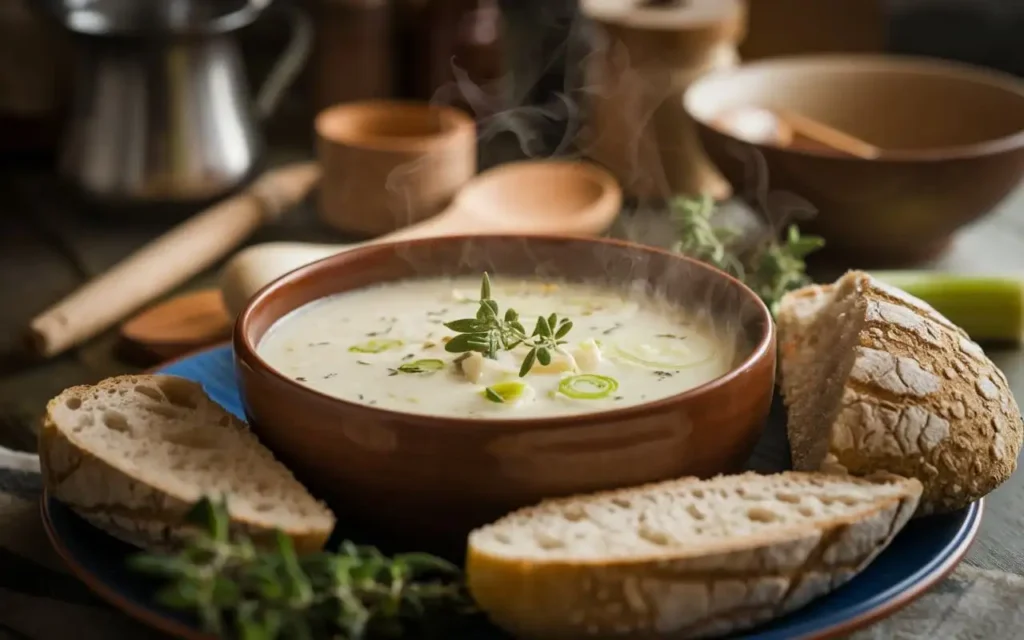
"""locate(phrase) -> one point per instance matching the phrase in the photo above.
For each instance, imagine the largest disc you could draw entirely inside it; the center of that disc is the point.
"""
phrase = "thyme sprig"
(240, 590)
(490, 332)
(769, 265)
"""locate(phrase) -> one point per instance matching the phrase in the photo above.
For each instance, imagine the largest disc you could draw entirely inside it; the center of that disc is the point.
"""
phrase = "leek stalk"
(990, 308)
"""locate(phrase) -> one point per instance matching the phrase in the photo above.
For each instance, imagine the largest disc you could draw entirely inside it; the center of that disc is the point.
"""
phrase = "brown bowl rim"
(455, 123)
(245, 350)
(880, 62)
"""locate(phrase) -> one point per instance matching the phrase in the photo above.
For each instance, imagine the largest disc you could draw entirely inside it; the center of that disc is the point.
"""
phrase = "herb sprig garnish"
(490, 332)
(239, 590)
(768, 265)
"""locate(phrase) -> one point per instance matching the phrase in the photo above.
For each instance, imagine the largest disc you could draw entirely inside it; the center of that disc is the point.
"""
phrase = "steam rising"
(595, 64)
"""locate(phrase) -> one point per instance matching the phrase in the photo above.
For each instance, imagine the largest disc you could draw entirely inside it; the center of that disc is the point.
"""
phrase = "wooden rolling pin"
(169, 260)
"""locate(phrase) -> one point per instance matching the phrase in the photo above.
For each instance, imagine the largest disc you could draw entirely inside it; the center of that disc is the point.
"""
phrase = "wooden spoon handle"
(828, 136)
(168, 261)
(257, 266)
(448, 222)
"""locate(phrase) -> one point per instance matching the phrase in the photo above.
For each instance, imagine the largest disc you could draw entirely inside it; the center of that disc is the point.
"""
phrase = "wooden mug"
(389, 164)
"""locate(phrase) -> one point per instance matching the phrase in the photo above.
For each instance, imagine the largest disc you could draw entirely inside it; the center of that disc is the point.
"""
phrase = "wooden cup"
(389, 164)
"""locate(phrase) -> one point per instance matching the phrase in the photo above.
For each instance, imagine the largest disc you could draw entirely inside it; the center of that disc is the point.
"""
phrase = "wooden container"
(951, 138)
(646, 54)
(389, 164)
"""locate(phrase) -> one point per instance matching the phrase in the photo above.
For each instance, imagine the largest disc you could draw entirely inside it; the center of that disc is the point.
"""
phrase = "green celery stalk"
(990, 308)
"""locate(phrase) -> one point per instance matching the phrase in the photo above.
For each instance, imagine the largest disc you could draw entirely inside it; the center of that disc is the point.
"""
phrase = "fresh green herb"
(489, 332)
(588, 386)
(240, 590)
(375, 346)
(769, 266)
(505, 391)
(429, 365)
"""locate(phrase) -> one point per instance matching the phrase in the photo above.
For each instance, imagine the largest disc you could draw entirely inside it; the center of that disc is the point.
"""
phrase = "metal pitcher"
(161, 109)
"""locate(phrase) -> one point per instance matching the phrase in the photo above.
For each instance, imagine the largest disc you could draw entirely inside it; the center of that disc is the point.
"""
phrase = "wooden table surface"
(49, 244)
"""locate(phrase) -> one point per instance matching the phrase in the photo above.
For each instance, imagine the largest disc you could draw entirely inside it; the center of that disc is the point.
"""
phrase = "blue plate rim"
(832, 625)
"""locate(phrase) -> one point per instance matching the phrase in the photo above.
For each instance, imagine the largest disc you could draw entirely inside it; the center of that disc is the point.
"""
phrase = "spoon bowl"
(541, 197)
(756, 125)
(529, 197)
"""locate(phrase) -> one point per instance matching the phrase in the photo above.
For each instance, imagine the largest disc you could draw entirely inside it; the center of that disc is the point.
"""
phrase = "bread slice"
(682, 559)
(133, 453)
(877, 380)
(796, 314)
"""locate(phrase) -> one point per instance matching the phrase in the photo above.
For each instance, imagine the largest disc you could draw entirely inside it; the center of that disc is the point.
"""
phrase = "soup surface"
(389, 346)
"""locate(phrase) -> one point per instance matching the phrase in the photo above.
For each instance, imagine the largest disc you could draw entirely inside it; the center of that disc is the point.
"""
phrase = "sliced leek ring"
(588, 386)
(505, 392)
(429, 365)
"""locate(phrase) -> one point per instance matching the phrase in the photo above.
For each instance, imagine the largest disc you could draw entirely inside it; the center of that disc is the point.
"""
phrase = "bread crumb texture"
(682, 559)
(133, 453)
(878, 380)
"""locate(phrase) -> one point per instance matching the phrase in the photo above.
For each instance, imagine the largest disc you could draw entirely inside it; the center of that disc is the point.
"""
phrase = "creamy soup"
(429, 347)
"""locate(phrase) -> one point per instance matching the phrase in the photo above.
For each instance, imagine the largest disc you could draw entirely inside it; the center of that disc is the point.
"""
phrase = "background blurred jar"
(33, 80)
(792, 27)
(458, 61)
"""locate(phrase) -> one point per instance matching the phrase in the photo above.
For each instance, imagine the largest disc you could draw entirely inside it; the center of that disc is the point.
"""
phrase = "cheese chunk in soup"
(387, 346)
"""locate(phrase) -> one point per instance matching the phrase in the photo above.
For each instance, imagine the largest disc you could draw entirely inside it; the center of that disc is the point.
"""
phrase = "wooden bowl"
(432, 479)
(953, 137)
(389, 164)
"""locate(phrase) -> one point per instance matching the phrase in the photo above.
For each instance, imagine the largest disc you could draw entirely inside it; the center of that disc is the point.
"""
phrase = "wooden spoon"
(179, 325)
(529, 197)
(171, 259)
(789, 129)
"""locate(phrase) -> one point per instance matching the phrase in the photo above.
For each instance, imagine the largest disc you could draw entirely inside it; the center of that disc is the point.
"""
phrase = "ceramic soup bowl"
(431, 478)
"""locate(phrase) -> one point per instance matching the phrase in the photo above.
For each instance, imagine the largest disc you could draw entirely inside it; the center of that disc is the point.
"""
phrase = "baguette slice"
(133, 453)
(682, 559)
(877, 380)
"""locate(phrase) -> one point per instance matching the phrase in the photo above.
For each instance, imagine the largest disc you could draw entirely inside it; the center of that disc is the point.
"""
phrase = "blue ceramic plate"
(921, 555)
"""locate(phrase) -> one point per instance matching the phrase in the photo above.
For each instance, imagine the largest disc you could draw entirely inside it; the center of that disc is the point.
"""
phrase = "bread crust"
(920, 399)
(742, 584)
(104, 491)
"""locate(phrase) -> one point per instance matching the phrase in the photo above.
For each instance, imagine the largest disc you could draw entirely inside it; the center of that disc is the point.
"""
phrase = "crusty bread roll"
(682, 559)
(876, 380)
(133, 453)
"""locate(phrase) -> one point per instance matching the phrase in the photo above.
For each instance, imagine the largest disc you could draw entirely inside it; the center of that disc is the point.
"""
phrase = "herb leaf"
(489, 332)
(769, 266)
(469, 325)
(528, 362)
(274, 593)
